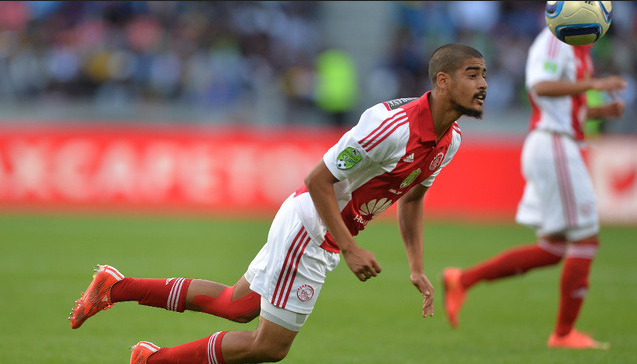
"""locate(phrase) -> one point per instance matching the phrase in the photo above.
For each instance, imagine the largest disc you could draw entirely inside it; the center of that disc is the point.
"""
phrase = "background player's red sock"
(206, 350)
(574, 285)
(163, 293)
(517, 260)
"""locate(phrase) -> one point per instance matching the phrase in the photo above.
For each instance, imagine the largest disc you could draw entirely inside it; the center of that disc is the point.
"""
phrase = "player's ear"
(442, 80)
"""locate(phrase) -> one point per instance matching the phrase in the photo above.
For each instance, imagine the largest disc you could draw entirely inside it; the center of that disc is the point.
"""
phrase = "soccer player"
(558, 200)
(393, 154)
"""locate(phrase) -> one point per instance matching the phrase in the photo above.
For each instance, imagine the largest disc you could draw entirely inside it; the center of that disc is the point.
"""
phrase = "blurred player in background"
(558, 200)
(393, 154)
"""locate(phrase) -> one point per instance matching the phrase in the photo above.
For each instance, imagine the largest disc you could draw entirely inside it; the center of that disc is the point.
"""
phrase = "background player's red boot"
(454, 295)
(576, 340)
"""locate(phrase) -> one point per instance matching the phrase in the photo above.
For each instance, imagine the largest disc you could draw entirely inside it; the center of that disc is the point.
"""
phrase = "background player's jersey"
(391, 149)
(549, 59)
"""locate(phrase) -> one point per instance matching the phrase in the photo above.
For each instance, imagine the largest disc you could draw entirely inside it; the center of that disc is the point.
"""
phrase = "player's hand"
(614, 109)
(425, 287)
(362, 262)
(611, 84)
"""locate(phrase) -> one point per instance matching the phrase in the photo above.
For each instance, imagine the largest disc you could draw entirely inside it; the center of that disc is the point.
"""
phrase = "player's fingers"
(364, 275)
(373, 272)
(428, 307)
(427, 310)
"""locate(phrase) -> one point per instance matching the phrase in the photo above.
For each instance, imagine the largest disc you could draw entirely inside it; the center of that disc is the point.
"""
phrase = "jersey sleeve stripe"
(396, 126)
(383, 126)
(553, 47)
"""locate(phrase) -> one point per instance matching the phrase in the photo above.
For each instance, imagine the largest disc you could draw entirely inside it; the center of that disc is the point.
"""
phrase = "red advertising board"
(228, 171)
(218, 170)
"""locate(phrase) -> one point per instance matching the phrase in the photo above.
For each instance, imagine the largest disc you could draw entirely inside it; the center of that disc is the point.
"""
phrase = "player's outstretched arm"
(557, 88)
(411, 225)
(320, 184)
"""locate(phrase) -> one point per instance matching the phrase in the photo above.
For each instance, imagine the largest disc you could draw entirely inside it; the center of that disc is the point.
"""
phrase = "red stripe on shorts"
(564, 180)
(290, 265)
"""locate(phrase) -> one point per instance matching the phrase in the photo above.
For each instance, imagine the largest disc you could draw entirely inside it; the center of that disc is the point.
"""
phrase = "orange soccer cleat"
(454, 295)
(97, 296)
(576, 340)
(141, 351)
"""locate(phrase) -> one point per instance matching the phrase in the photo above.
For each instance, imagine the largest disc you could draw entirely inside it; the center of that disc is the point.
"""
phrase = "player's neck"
(442, 114)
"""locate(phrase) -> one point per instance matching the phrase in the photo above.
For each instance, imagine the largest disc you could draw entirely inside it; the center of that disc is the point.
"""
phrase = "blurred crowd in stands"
(224, 55)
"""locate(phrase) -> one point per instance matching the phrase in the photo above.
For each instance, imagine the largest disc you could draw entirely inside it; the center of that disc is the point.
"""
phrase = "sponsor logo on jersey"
(375, 207)
(348, 158)
(305, 293)
(412, 176)
(436, 162)
(396, 103)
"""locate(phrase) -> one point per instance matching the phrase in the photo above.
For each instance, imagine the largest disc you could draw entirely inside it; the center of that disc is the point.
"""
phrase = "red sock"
(514, 261)
(574, 285)
(163, 293)
(206, 350)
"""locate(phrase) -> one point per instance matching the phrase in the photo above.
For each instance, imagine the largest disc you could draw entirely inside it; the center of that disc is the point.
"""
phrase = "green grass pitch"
(46, 260)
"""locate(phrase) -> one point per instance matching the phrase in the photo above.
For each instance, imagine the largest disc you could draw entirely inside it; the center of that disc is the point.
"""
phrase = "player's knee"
(245, 318)
(271, 352)
(557, 248)
(584, 249)
(267, 349)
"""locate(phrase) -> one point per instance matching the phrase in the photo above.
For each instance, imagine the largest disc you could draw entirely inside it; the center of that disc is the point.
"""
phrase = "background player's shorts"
(558, 196)
(290, 269)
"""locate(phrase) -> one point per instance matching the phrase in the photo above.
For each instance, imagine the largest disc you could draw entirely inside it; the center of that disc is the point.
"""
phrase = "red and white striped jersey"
(550, 59)
(391, 149)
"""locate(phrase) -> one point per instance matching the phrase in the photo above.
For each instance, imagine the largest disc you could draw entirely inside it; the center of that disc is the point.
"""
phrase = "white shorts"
(290, 269)
(558, 196)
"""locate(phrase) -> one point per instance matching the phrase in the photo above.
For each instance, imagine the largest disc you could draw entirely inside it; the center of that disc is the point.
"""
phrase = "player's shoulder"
(549, 46)
(391, 109)
(385, 111)
(385, 125)
(402, 103)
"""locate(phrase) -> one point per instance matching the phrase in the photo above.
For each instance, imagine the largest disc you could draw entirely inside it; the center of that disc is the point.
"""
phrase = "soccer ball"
(578, 22)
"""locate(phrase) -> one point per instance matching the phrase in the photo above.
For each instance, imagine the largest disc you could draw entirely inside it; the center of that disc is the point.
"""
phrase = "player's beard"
(467, 111)
(470, 112)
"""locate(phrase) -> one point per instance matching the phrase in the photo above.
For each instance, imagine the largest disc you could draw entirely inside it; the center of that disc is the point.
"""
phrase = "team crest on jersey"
(305, 293)
(396, 103)
(412, 176)
(348, 158)
(436, 162)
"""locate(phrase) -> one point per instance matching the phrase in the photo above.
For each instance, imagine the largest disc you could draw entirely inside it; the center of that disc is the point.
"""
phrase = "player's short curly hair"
(449, 58)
